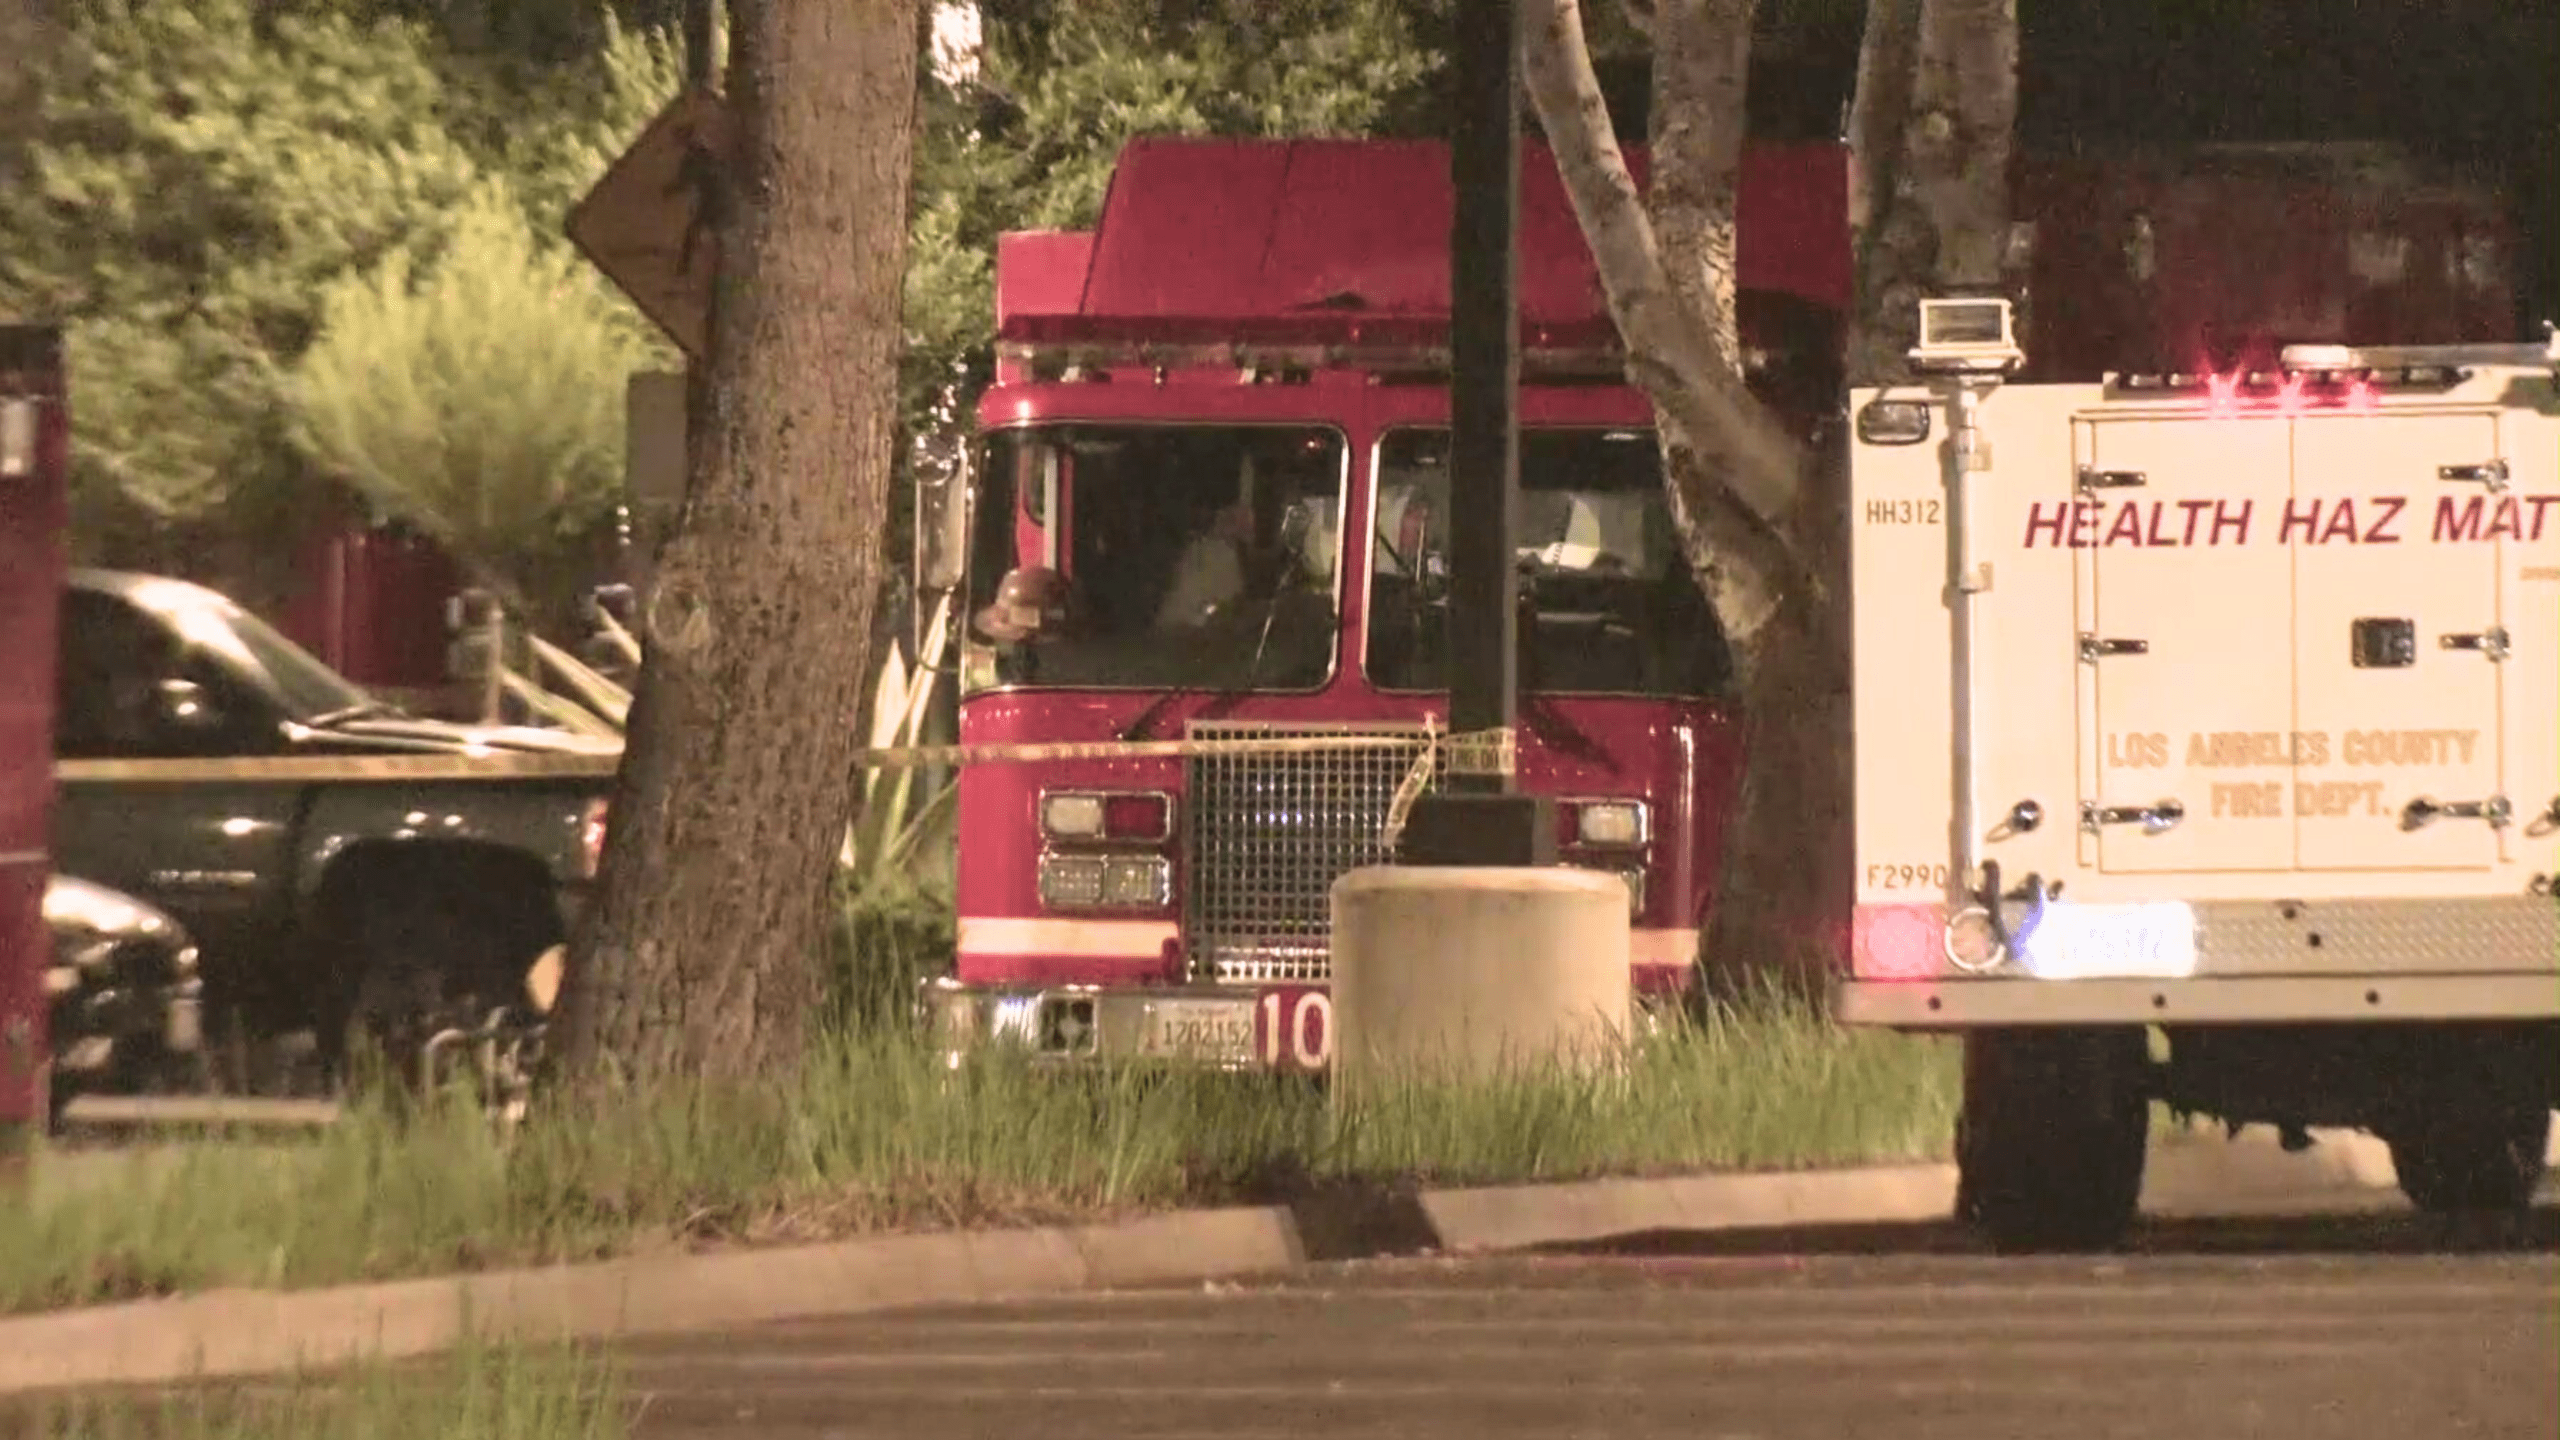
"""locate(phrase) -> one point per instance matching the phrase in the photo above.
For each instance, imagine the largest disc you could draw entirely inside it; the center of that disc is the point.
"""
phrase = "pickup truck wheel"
(2470, 1158)
(2050, 1140)
(410, 963)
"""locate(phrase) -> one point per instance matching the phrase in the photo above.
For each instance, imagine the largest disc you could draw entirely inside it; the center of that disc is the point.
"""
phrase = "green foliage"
(200, 172)
(204, 174)
(483, 401)
(487, 1389)
(553, 130)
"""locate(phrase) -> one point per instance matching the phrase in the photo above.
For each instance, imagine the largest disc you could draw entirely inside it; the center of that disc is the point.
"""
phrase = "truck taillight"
(1897, 942)
(591, 827)
(1140, 816)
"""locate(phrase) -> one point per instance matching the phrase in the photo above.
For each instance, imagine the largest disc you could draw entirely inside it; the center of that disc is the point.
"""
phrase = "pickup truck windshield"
(299, 682)
(1617, 611)
(1191, 556)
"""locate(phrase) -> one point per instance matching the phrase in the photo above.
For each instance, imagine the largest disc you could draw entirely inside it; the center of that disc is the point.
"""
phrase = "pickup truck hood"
(437, 736)
(81, 907)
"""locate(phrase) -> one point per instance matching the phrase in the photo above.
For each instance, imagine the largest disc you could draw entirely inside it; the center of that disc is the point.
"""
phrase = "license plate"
(2152, 941)
(1221, 1030)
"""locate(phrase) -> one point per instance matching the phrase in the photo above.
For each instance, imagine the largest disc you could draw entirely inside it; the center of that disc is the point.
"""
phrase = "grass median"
(880, 1135)
(483, 1391)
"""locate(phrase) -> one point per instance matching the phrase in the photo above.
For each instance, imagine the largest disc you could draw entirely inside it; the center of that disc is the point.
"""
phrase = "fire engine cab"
(1210, 505)
(2208, 750)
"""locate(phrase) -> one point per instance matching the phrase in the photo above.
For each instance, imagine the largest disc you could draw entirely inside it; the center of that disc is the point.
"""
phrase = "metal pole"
(1484, 441)
(1483, 820)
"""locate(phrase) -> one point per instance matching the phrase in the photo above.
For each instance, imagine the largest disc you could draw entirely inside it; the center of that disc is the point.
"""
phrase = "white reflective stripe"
(980, 935)
(1662, 947)
(337, 769)
(1125, 939)
(24, 857)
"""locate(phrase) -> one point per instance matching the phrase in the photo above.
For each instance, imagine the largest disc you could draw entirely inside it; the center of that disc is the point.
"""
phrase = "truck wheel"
(410, 963)
(2472, 1158)
(2050, 1140)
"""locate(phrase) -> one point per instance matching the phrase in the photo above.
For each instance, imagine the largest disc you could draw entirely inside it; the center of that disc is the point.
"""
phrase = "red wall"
(372, 604)
(31, 561)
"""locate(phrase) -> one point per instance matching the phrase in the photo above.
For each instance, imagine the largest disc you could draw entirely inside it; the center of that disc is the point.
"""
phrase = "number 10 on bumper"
(1293, 1029)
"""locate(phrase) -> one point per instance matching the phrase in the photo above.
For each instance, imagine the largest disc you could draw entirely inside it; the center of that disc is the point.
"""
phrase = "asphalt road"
(2305, 1330)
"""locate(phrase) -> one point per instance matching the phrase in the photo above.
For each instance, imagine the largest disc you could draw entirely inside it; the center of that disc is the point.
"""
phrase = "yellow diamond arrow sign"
(650, 223)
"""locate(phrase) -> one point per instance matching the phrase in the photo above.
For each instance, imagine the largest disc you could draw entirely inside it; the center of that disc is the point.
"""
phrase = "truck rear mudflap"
(2242, 704)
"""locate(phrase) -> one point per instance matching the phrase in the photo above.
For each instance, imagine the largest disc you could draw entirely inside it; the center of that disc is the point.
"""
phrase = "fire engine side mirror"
(1893, 422)
(938, 564)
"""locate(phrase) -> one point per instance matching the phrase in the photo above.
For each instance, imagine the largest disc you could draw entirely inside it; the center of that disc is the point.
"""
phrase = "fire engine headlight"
(1115, 882)
(1071, 881)
(1137, 880)
(1617, 823)
(1071, 817)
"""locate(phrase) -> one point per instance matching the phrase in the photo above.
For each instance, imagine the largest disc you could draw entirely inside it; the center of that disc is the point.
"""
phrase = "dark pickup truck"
(341, 864)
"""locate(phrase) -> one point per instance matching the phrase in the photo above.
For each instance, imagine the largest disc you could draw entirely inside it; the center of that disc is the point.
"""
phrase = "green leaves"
(210, 186)
(200, 171)
(482, 400)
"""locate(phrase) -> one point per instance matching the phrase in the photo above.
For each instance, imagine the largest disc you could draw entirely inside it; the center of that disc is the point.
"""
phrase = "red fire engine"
(1210, 503)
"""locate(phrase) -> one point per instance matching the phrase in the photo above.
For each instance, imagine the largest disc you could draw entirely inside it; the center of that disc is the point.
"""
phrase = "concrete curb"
(1519, 1217)
(245, 1332)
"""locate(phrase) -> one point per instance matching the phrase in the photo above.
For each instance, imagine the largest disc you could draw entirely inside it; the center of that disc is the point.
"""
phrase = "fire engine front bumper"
(1279, 1026)
(1220, 1026)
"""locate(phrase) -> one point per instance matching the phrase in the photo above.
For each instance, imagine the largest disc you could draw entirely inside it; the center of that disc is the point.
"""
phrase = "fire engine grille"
(1265, 836)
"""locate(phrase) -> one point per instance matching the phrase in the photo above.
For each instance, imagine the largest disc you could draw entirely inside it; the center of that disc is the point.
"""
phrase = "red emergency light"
(2285, 392)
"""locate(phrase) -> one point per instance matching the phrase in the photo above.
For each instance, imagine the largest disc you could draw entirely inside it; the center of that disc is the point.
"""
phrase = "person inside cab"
(1210, 573)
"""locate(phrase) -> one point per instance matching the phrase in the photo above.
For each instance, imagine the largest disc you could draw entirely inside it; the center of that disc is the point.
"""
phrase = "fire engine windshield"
(1157, 557)
(1610, 605)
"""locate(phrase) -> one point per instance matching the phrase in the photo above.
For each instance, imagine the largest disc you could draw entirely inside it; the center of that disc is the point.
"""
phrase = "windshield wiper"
(1220, 699)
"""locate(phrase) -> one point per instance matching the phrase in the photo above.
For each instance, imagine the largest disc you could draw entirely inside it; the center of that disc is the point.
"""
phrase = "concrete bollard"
(1466, 973)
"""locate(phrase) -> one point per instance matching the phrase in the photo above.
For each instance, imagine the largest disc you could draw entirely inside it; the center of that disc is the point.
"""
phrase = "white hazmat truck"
(2208, 751)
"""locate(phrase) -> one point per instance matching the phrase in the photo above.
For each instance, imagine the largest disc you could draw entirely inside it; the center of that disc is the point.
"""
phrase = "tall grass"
(482, 1391)
(878, 1133)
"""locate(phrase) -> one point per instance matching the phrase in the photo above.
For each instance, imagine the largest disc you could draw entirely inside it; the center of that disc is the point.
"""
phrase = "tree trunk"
(1933, 126)
(701, 954)
(1734, 474)
(1764, 520)
(1701, 63)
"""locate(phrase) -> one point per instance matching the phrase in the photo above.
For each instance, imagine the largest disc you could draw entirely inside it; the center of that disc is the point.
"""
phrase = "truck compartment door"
(2185, 644)
(2396, 528)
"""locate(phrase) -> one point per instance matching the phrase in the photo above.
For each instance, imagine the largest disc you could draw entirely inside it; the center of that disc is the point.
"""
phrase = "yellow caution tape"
(1483, 752)
(336, 769)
